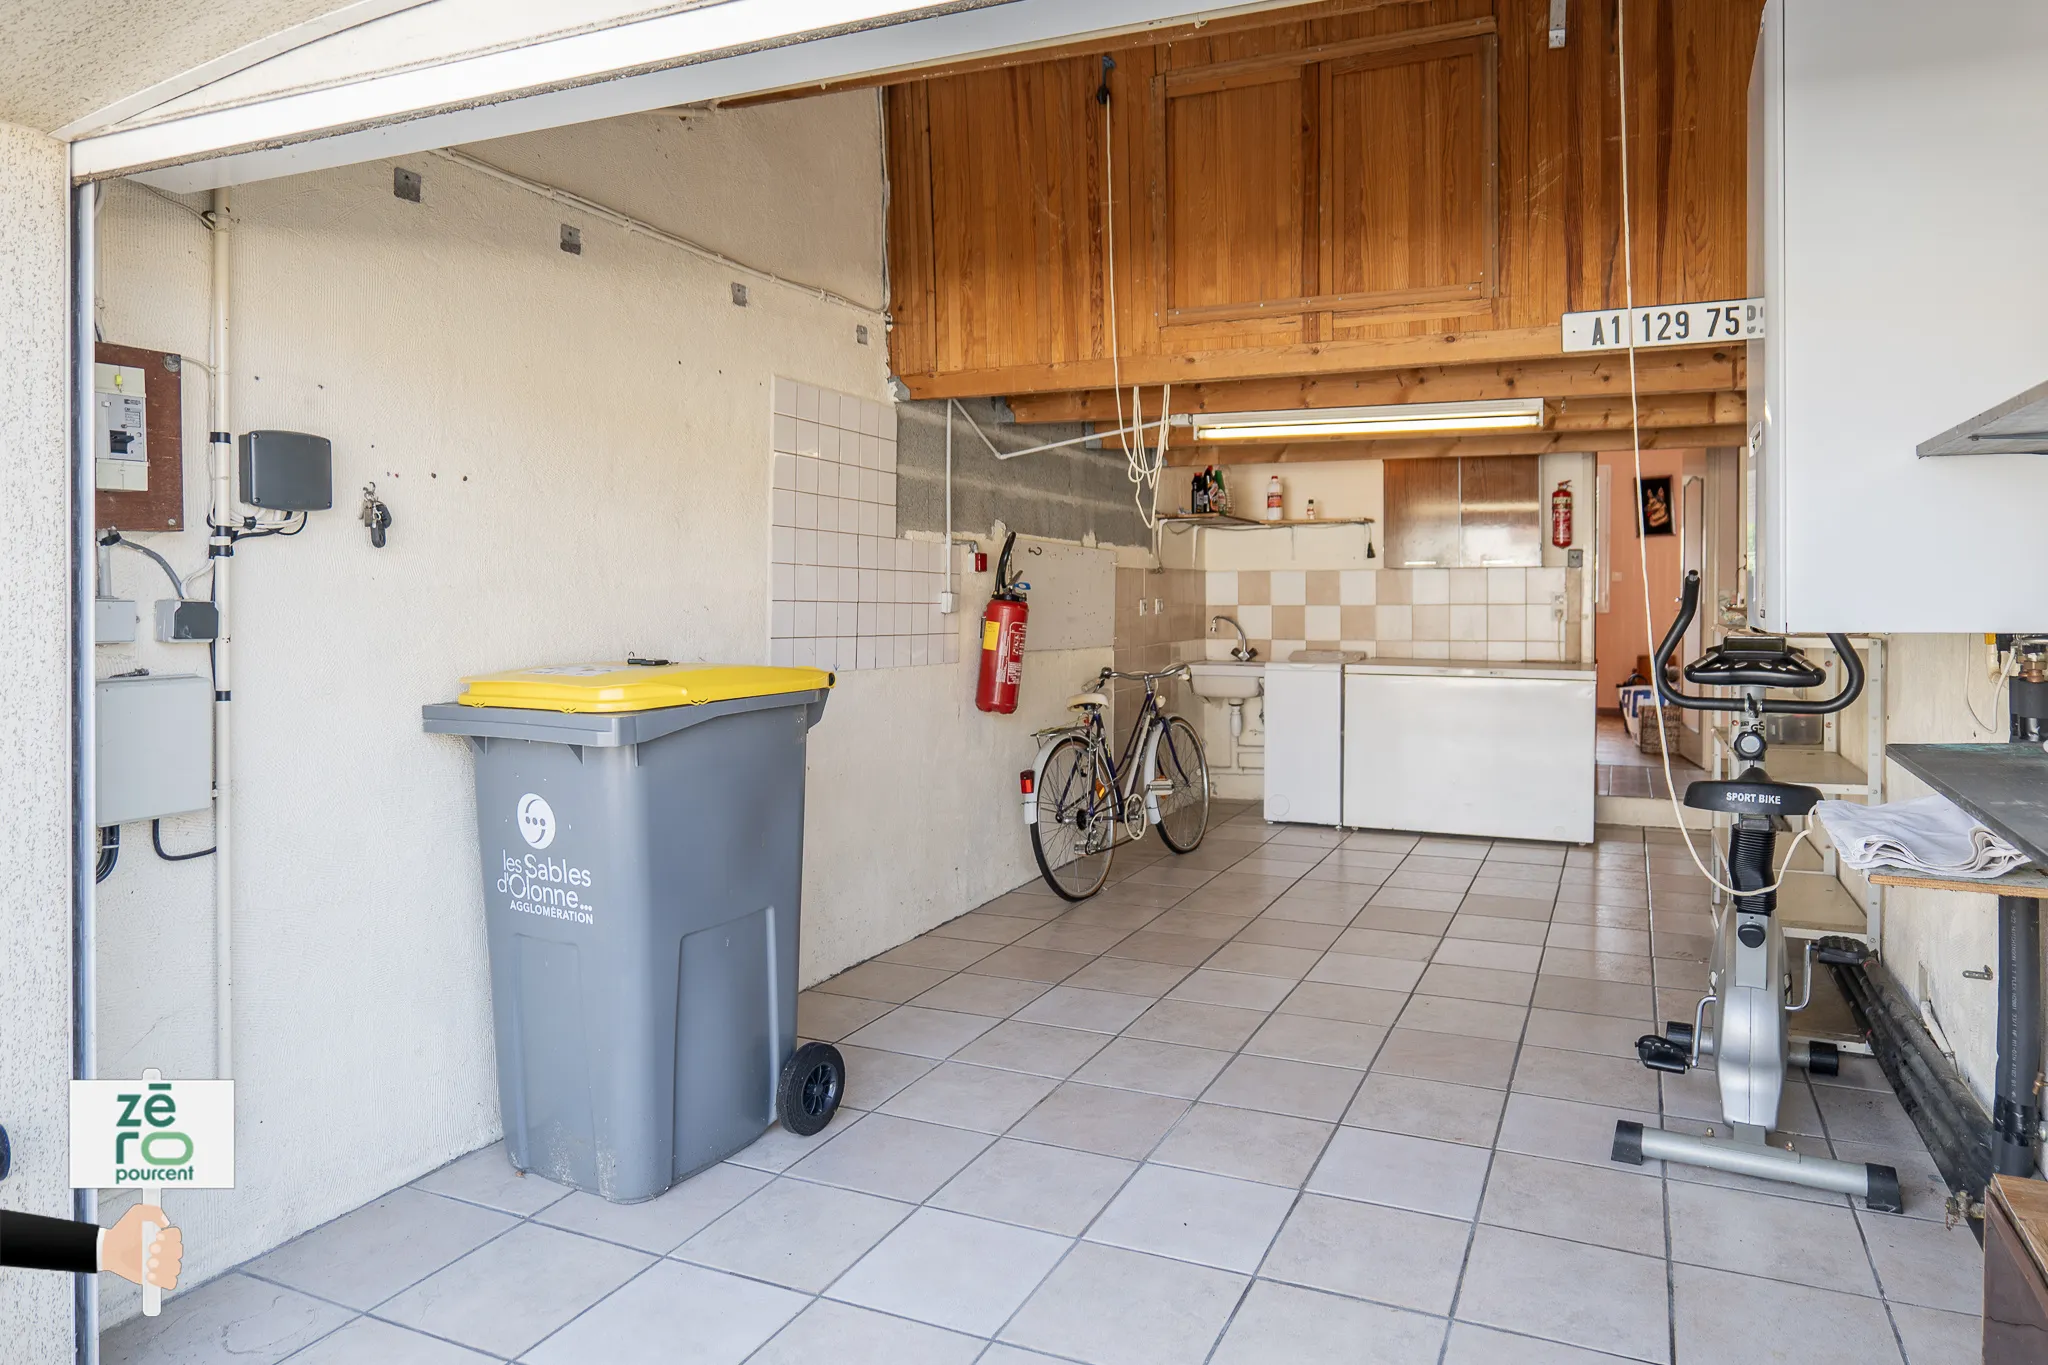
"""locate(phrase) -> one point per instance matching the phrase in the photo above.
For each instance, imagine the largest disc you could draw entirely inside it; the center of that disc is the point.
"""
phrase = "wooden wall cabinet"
(1342, 179)
(1471, 512)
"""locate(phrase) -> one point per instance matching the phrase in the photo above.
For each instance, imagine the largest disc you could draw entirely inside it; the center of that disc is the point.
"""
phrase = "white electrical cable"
(1628, 276)
(2005, 671)
(1142, 469)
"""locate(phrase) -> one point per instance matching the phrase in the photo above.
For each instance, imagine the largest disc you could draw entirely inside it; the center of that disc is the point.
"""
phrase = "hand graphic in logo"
(121, 1251)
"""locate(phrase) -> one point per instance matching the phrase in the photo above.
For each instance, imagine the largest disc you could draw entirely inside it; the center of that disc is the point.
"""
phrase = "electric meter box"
(153, 745)
(287, 471)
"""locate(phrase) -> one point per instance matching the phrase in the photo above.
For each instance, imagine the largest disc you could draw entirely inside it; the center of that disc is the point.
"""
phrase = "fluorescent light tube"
(1393, 419)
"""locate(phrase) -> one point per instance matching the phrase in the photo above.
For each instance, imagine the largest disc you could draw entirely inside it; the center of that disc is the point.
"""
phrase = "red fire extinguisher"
(1002, 640)
(1561, 516)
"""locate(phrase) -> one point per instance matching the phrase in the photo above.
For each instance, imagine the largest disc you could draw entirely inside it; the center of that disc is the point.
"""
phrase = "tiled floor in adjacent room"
(1295, 1098)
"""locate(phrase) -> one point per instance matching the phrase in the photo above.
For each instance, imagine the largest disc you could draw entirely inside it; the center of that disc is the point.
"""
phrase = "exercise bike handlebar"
(1688, 608)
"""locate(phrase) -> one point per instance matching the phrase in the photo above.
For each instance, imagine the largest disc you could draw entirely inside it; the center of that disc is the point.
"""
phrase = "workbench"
(2005, 786)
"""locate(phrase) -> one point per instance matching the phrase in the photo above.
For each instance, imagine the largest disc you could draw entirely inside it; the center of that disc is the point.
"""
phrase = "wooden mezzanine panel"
(1242, 254)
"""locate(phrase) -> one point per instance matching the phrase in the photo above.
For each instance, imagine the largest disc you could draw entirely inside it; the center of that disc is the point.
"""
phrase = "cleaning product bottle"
(1198, 494)
(1219, 495)
(1273, 498)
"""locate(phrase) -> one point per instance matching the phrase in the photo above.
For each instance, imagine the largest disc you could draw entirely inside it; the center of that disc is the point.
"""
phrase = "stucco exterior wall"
(35, 720)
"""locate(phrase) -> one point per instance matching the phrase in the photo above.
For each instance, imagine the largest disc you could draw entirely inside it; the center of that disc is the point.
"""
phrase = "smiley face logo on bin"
(536, 820)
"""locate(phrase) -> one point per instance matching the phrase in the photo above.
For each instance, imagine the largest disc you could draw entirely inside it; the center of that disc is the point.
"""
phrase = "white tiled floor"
(1294, 1098)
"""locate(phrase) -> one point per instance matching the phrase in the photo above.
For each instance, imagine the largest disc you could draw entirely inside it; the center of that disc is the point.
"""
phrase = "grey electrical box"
(153, 741)
(287, 471)
(113, 621)
(186, 620)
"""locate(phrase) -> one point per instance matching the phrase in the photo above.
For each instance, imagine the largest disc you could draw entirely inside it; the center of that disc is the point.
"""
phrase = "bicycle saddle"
(1081, 701)
(1754, 661)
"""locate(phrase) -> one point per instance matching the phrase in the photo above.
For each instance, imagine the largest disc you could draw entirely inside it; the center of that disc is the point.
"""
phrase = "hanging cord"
(1140, 466)
(1628, 276)
(156, 841)
(2005, 671)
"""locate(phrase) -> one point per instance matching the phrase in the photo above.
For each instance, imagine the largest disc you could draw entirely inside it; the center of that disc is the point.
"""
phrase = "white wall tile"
(782, 542)
(828, 442)
(806, 437)
(1290, 587)
(1286, 649)
(888, 431)
(1504, 621)
(1324, 623)
(782, 582)
(805, 620)
(1505, 651)
(804, 513)
(1539, 623)
(1220, 588)
(782, 653)
(1543, 582)
(1468, 622)
(806, 546)
(806, 583)
(1396, 623)
(1542, 651)
(1468, 649)
(782, 396)
(870, 519)
(1468, 586)
(1430, 588)
(1430, 649)
(781, 620)
(887, 522)
(849, 519)
(783, 471)
(782, 507)
(920, 650)
(1506, 585)
(1257, 621)
(1358, 587)
(864, 654)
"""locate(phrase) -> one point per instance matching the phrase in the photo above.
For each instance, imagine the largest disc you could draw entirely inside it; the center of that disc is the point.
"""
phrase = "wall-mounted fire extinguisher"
(1002, 639)
(1561, 516)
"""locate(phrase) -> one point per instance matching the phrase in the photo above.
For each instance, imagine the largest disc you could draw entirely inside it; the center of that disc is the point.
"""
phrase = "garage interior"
(1369, 378)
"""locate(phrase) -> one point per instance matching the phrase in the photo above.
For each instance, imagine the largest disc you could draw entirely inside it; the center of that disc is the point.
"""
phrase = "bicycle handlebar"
(1689, 605)
(1178, 670)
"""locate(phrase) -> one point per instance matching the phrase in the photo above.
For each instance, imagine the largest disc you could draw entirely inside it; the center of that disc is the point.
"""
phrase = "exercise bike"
(1742, 1023)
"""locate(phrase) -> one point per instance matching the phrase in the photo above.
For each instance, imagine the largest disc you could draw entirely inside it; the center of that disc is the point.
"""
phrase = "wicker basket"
(1646, 730)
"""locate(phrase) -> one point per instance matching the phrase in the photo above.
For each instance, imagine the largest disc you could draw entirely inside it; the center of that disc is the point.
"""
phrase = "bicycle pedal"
(1661, 1054)
(1159, 786)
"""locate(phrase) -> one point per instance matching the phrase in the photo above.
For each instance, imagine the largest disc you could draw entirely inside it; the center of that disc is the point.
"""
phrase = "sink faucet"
(1244, 653)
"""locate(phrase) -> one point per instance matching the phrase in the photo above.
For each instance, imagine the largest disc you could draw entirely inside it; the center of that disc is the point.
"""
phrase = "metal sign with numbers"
(1666, 324)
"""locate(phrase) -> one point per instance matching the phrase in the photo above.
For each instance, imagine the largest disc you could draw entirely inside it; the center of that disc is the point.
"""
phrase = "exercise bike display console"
(1742, 1022)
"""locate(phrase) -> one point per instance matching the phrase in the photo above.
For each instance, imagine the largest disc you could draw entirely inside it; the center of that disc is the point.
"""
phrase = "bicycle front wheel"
(1184, 808)
(1074, 833)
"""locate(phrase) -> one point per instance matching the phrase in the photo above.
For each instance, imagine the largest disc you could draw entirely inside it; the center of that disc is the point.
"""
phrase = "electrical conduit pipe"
(221, 549)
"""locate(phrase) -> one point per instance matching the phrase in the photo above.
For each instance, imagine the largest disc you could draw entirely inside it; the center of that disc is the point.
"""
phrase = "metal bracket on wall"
(1557, 23)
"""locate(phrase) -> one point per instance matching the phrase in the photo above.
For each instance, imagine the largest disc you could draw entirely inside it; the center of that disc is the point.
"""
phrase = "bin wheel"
(813, 1082)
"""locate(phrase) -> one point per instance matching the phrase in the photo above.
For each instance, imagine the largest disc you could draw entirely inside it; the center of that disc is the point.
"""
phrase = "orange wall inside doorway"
(1619, 634)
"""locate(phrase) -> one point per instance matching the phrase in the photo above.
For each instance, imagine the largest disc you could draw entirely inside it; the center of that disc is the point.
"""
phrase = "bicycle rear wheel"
(1074, 834)
(1183, 810)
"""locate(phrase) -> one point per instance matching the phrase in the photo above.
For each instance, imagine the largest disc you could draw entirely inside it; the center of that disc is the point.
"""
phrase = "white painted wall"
(576, 453)
(35, 720)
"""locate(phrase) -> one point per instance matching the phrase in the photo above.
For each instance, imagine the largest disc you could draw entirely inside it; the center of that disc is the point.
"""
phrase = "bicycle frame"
(1139, 756)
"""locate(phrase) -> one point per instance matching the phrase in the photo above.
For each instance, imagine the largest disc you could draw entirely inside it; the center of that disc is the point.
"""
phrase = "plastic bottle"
(1273, 498)
(1198, 495)
(1219, 496)
(1311, 513)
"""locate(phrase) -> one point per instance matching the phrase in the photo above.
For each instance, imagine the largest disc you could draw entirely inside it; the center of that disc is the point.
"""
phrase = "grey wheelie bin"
(642, 828)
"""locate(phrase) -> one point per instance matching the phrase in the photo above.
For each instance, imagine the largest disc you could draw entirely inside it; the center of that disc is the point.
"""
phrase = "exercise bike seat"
(1752, 793)
(1744, 660)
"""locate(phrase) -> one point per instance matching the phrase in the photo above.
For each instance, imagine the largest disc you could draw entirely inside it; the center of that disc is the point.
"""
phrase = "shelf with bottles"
(1230, 521)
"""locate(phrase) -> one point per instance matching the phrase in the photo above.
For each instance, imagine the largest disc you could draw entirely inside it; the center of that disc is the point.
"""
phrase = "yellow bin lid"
(605, 688)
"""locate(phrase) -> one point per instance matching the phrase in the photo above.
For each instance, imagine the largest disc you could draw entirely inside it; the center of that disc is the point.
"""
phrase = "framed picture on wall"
(1655, 496)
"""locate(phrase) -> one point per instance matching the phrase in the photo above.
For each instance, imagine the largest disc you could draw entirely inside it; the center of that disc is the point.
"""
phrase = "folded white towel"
(1930, 835)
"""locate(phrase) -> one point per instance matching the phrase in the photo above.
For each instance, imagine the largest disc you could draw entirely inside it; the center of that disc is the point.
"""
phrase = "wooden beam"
(1657, 372)
(1405, 448)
